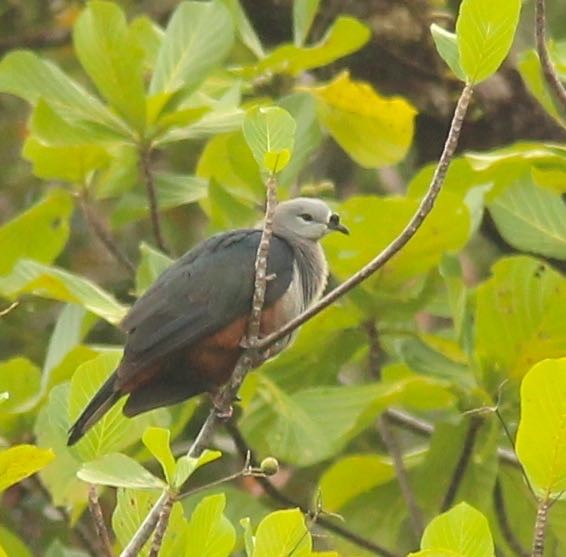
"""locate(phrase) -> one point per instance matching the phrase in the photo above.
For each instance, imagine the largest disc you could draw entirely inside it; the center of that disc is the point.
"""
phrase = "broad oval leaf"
(373, 130)
(119, 470)
(112, 58)
(270, 134)
(40, 233)
(21, 461)
(54, 283)
(283, 533)
(485, 31)
(198, 37)
(209, 532)
(447, 46)
(157, 440)
(520, 316)
(532, 219)
(541, 437)
(462, 531)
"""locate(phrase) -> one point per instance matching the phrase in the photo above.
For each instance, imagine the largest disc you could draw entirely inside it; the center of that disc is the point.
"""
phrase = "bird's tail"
(102, 401)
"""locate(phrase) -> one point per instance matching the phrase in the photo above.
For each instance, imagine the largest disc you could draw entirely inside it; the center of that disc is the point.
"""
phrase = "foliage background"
(478, 298)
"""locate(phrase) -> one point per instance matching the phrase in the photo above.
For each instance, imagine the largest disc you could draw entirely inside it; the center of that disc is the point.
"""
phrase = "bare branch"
(8, 309)
(462, 464)
(548, 68)
(503, 521)
(408, 232)
(540, 527)
(98, 518)
(145, 163)
(102, 233)
(390, 442)
(285, 501)
(161, 526)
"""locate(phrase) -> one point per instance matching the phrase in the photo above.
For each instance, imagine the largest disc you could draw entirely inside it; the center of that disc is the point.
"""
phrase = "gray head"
(305, 218)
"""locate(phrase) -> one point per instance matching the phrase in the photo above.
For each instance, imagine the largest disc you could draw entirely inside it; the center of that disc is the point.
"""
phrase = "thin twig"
(7, 310)
(540, 527)
(390, 442)
(548, 68)
(422, 427)
(102, 233)
(462, 464)
(161, 526)
(374, 355)
(287, 502)
(145, 162)
(503, 521)
(98, 518)
(400, 241)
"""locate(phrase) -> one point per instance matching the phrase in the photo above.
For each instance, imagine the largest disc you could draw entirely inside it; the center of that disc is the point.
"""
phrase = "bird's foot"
(223, 411)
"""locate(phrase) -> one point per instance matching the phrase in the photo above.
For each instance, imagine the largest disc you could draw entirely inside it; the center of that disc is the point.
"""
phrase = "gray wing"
(201, 293)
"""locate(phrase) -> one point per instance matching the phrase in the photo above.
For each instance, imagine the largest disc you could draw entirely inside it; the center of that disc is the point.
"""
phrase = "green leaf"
(157, 440)
(373, 130)
(112, 58)
(72, 163)
(210, 533)
(57, 549)
(186, 465)
(29, 77)
(303, 16)
(113, 432)
(12, 545)
(485, 31)
(152, 264)
(313, 424)
(447, 46)
(21, 380)
(249, 540)
(54, 283)
(270, 134)
(520, 316)
(283, 533)
(197, 39)
(131, 509)
(368, 237)
(21, 461)
(462, 531)
(302, 108)
(148, 36)
(172, 190)
(40, 233)
(59, 477)
(531, 219)
(118, 470)
(244, 28)
(344, 37)
(352, 475)
(541, 437)
(531, 71)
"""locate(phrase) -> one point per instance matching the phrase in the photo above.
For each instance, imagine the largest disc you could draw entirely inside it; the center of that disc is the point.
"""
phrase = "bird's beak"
(335, 224)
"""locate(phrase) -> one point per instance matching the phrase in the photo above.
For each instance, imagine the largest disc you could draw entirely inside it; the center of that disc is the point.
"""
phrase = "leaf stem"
(98, 518)
(145, 163)
(102, 232)
(548, 69)
(462, 464)
(540, 527)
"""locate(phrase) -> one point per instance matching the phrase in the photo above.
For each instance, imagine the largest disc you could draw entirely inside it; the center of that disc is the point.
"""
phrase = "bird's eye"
(306, 217)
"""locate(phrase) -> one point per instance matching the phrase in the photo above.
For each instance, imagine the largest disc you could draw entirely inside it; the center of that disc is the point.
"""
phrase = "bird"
(185, 333)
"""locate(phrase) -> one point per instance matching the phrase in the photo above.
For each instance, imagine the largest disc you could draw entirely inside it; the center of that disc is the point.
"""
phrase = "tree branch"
(503, 521)
(102, 233)
(400, 241)
(548, 68)
(145, 163)
(162, 522)
(540, 527)
(98, 518)
(287, 502)
(390, 442)
(462, 464)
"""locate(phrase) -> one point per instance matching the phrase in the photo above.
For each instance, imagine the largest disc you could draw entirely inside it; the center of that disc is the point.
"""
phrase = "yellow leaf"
(375, 131)
(21, 461)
